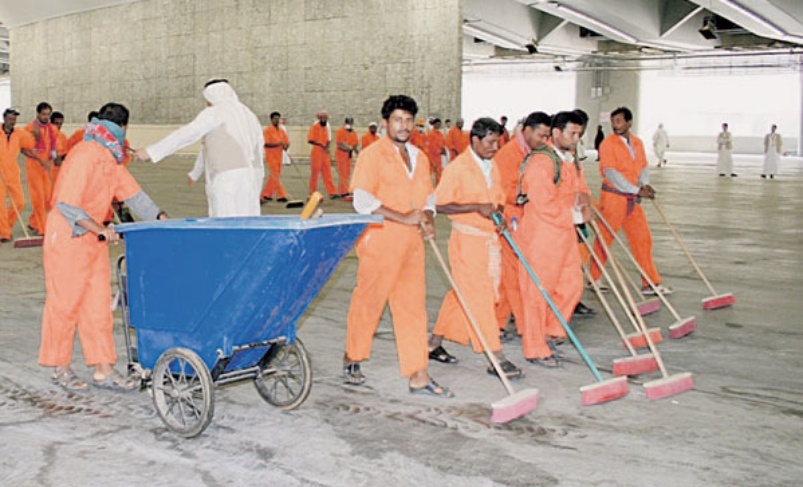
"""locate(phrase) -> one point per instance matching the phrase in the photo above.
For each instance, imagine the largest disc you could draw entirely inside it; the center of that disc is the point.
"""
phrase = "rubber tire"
(291, 361)
(195, 374)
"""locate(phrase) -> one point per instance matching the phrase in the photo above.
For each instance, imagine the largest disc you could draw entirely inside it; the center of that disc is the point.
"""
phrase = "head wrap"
(109, 135)
(239, 121)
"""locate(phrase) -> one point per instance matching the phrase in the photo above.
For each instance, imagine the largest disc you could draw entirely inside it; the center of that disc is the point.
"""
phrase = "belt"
(494, 252)
(632, 199)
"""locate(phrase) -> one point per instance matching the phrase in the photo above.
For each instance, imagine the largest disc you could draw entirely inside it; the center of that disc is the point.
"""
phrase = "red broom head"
(719, 301)
(682, 328)
(669, 386)
(22, 243)
(604, 391)
(649, 306)
(514, 406)
(638, 340)
(640, 364)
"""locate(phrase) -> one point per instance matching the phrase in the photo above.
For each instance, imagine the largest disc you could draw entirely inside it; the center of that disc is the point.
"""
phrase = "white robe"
(724, 153)
(660, 141)
(772, 147)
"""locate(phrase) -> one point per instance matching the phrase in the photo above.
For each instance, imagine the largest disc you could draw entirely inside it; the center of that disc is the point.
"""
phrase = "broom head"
(638, 340)
(514, 406)
(648, 306)
(28, 242)
(669, 386)
(635, 365)
(682, 328)
(294, 204)
(604, 391)
(719, 301)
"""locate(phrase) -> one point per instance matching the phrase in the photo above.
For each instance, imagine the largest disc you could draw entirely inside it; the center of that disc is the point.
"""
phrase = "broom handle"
(639, 319)
(603, 299)
(497, 219)
(632, 258)
(633, 285)
(474, 325)
(14, 205)
(684, 248)
(615, 264)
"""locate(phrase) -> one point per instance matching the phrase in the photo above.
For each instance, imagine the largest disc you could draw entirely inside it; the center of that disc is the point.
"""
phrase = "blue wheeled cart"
(213, 301)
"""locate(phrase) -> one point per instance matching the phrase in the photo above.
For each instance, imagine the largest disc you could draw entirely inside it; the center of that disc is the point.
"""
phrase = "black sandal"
(433, 389)
(353, 374)
(441, 355)
(509, 368)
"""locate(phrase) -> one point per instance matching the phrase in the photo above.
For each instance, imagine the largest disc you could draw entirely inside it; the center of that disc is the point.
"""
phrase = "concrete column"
(800, 119)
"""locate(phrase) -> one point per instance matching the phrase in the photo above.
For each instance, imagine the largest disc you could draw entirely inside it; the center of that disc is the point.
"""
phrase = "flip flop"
(116, 382)
(68, 381)
(441, 355)
(548, 362)
(433, 389)
(353, 374)
(509, 368)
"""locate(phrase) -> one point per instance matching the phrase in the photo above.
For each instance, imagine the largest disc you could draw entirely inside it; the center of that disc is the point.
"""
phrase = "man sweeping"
(470, 191)
(13, 141)
(76, 262)
(231, 153)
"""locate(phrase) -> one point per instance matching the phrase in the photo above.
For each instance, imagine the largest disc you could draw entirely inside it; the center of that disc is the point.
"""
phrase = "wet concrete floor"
(742, 425)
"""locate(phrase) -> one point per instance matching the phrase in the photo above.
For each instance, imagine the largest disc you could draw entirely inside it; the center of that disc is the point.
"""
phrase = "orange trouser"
(614, 209)
(274, 184)
(13, 190)
(509, 289)
(78, 297)
(390, 270)
(555, 260)
(436, 167)
(343, 160)
(321, 164)
(468, 259)
(40, 188)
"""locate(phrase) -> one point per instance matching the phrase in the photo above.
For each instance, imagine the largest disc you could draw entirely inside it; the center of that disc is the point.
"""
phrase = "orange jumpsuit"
(343, 158)
(40, 180)
(471, 242)
(320, 162)
(508, 160)
(273, 159)
(622, 211)
(10, 146)
(435, 144)
(61, 150)
(457, 141)
(505, 138)
(77, 270)
(391, 259)
(549, 243)
(368, 139)
(77, 136)
(418, 139)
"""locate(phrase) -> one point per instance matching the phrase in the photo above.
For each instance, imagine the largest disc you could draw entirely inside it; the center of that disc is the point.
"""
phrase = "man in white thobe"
(772, 150)
(660, 142)
(725, 152)
(231, 151)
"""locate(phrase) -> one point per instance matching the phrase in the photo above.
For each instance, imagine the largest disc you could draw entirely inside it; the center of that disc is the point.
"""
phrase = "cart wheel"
(286, 380)
(182, 392)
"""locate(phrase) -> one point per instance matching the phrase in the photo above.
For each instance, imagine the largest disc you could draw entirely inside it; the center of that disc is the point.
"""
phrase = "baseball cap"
(10, 111)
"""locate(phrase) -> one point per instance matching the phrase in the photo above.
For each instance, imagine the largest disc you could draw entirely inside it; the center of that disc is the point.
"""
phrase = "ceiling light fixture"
(597, 23)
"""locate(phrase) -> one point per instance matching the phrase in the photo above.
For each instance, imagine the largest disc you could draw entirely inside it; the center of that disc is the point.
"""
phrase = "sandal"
(433, 389)
(68, 381)
(116, 382)
(549, 362)
(553, 346)
(583, 310)
(509, 368)
(353, 374)
(506, 335)
(441, 355)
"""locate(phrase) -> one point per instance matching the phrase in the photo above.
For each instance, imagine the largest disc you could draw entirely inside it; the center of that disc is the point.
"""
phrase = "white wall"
(5, 93)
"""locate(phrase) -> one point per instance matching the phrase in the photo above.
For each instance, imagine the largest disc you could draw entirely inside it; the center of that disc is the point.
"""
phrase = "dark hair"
(56, 116)
(582, 114)
(624, 111)
(91, 115)
(275, 114)
(435, 120)
(535, 119)
(349, 120)
(448, 120)
(43, 106)
(399, 102)
(216, 80)
(562, 119)
(484, 126)
(114, 112)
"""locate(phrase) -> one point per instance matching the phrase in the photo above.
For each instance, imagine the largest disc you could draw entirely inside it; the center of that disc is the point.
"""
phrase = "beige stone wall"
(294, 56)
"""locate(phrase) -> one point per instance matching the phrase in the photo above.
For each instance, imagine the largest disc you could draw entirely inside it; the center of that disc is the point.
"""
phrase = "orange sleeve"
(126, 186)
(26, 140)
(366, 173)
(74, 178)
(340, 136)
(311, 135)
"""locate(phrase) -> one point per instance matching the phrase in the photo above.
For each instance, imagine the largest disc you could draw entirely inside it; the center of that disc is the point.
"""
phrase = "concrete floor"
(742, 425)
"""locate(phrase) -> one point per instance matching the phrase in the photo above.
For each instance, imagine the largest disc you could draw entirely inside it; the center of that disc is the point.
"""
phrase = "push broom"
(635, 364)
(715, 301)
(296, 203)
(645, 306)
(28, 241)
(668, 385)
(603, 390)
(516, 404)
(681, 327)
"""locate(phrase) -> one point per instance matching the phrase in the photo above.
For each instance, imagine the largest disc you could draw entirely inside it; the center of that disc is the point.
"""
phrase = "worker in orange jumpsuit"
(78, 135)
(392, 179)
(320, 162)
(13, 141)
(369, 137)
(419, 136)
(57, 120)
(535, 132)
(469, 193)
(345, 145)
(505, 138)
(556, 189)
(436, 148)
(456, 140)
(626, 179)
(76, 262)
(37, 169)
(276, 142)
